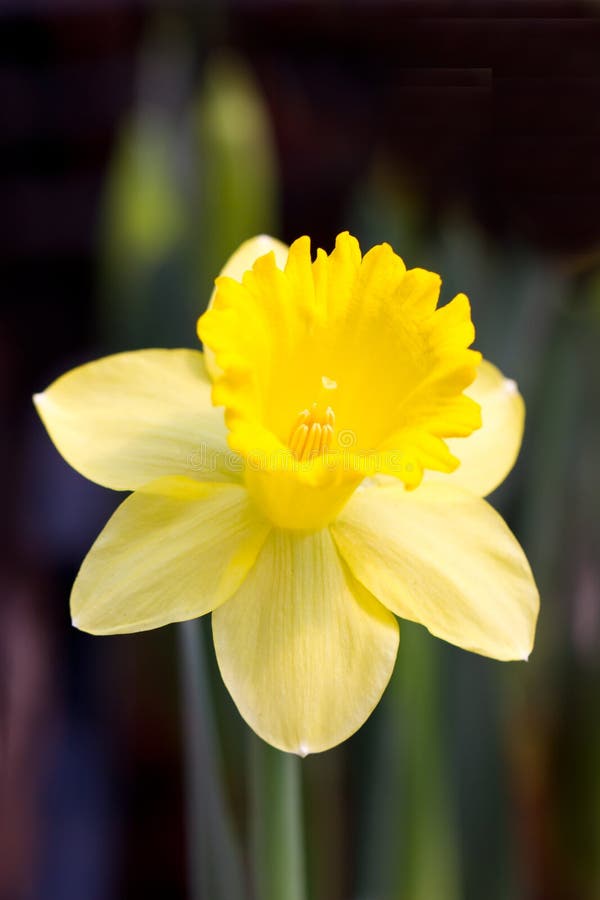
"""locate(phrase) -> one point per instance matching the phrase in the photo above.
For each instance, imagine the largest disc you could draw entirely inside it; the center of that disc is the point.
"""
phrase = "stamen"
(313, 441)
(298, 440)
(326, 436)
(312, 433)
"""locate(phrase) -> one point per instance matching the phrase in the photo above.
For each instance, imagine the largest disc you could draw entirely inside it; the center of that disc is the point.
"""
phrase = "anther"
(312, 433)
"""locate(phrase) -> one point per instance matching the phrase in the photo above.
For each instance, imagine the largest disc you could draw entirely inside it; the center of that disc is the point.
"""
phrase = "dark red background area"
(491, 103)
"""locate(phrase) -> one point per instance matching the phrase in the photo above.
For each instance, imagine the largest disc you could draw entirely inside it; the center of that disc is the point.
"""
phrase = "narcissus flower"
(318, 472)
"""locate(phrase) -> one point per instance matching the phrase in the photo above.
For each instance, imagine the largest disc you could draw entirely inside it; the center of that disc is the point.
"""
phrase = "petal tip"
(510, 386)
(303, 750)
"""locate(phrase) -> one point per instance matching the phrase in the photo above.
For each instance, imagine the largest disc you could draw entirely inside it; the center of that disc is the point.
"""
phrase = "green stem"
(214, 864)
(408, 846)
(277, 824)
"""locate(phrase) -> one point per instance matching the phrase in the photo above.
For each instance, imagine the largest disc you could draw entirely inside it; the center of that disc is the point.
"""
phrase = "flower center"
(358, 335)
(312, 432)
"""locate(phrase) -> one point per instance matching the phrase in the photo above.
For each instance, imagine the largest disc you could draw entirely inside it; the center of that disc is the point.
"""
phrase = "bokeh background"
(139, 145)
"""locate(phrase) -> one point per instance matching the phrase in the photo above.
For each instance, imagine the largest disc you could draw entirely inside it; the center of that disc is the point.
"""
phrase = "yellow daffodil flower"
(317, 472)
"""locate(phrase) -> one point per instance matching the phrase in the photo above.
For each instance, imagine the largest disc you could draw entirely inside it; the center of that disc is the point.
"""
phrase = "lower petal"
(445, 558)
(304, 650)
(174, 550)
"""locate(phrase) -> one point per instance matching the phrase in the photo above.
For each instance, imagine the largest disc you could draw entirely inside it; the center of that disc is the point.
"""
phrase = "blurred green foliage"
(192, 177)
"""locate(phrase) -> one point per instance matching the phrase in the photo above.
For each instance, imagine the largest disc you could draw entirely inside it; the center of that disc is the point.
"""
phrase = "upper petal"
(133, 417)
(445, 558)
(247, 253)
(238, 263)
(487, 456)
(173, 550)
(305, 651)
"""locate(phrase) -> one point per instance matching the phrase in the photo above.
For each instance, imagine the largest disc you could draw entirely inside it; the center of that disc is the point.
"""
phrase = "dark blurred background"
(140, 143)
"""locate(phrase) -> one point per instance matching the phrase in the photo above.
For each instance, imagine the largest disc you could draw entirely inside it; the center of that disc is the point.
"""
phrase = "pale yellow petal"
(487, 456)
(445, 558)
(242, 260)
(174, 550)
(133, 417)
(247, 253)
(304, 650)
